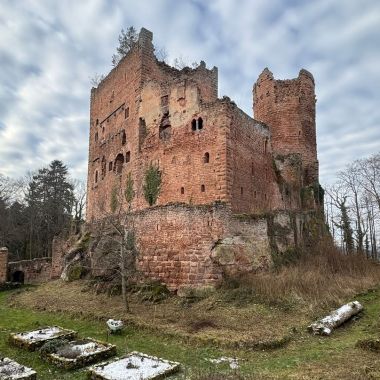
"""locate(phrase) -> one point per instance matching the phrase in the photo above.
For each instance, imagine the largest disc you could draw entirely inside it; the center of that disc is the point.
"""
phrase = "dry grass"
(321, 278)
(294, 294)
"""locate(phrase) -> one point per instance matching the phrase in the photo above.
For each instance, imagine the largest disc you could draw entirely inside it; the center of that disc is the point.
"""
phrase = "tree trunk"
(123, 271)
(325, 325)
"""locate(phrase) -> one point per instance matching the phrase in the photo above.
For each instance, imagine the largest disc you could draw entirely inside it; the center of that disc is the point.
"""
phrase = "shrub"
(152, 185)
(69, 352)
(152, 291)
(52, 346)
(75, 273)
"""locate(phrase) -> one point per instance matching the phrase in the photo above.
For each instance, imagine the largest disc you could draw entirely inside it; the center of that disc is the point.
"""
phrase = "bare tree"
(79, 206)
(96, 79)
(350, 179)
(117, 228)
(338, 196)
(370, 175)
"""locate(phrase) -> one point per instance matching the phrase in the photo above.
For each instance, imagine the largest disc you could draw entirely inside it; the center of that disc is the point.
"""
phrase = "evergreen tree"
(50, 199)
(127, 39)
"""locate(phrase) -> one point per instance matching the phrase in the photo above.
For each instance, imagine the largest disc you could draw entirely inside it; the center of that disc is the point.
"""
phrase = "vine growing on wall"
(114, 199)
(152, 184)
(129, 192)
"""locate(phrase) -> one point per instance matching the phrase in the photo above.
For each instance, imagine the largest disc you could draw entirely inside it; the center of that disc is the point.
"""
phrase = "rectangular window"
(126, 113)
(164, 100)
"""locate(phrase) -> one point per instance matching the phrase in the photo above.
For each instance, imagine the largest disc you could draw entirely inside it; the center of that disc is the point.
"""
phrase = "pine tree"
(127, 39)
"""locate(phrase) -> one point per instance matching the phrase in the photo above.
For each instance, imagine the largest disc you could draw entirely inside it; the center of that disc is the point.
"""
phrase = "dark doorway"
(18, 276)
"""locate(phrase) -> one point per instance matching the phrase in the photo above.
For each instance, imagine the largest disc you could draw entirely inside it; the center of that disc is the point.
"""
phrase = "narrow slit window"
(96, 176)
(200, 123)
(110, 166)
(206, 158)
(182, 190)
(193, 125)
(203, 188)
(123, 137)
(127, 157)
(126, 113)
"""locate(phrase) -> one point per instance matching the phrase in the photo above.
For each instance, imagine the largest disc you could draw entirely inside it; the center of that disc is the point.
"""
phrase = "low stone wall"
(3, 264)
(192, 246)
(30, 271)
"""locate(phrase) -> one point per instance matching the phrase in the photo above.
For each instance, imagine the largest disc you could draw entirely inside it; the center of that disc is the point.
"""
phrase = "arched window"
(200, 123)
(203, 188)
(182, 190)
(193, 125)
(206, 158)
(119, 161)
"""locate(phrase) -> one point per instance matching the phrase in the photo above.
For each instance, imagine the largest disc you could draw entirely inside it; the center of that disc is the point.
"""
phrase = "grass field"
(305, 357)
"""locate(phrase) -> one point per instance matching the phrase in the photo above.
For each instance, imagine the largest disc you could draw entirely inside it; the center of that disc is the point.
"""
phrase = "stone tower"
(288, 108)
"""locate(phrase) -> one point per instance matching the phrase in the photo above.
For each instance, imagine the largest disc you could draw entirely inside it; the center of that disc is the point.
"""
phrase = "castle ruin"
(236, 191)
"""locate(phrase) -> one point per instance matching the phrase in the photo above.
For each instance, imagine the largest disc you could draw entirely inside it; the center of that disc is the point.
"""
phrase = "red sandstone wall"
(251, 178)
(59, 249)
(3, 265)
(175, 243)
(35, 271)
(288, 108)
(138, 84)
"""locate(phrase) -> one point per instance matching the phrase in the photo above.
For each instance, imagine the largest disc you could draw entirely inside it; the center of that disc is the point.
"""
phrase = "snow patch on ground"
(135, 366)
(38, 335)
(233, 362)
(11, 370)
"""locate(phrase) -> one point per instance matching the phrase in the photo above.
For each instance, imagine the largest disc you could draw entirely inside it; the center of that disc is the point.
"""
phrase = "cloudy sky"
(50, 49)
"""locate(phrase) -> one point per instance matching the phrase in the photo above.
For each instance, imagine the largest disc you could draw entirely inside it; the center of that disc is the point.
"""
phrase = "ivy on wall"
(152, 184)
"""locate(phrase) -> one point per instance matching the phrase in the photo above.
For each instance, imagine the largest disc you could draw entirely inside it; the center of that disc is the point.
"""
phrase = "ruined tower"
(288, 108)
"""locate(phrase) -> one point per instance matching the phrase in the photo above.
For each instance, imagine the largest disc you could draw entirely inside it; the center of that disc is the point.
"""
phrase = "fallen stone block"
(135, 366)
(32, 340)
(11, 370)
(80, 353)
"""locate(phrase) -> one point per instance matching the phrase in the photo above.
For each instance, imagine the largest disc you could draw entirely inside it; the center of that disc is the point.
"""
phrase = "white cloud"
(48, 51)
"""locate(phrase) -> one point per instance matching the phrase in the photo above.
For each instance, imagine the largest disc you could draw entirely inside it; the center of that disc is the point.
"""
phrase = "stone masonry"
(209, 153)
(3, 264)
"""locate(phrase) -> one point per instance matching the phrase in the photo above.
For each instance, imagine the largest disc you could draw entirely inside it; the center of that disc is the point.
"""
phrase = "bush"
(52, 346)
(75, 273)
(69, 352)
(152, 291)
